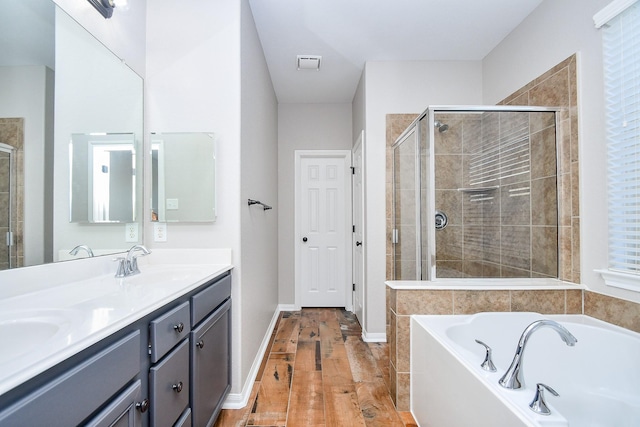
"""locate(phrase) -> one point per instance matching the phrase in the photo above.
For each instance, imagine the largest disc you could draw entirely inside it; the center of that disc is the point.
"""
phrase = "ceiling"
(347, 33)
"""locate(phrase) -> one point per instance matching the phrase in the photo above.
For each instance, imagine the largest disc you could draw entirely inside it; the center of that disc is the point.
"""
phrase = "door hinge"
(354, 286)
(353, 228)
(353, 170)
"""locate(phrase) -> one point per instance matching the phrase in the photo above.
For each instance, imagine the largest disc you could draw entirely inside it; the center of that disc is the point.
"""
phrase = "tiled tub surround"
(451, 296)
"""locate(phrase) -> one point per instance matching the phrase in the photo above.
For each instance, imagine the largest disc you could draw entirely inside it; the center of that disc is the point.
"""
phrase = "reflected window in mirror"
(183, 169)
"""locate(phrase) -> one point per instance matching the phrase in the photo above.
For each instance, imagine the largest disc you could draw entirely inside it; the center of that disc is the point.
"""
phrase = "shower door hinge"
(9, 238)
(394, 236)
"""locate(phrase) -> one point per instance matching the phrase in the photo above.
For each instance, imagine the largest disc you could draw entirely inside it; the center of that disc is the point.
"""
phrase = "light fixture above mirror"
(105, 7)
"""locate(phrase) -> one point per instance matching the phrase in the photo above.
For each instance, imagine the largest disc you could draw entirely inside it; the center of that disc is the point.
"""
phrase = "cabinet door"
(87, 386)
(210, 366)
(123, 411)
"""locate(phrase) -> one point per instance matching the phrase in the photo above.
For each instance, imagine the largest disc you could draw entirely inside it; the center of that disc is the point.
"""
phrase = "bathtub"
(598, 379)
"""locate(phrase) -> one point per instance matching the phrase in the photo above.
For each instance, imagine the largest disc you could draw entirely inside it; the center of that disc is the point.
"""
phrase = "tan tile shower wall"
(558, 88)
(12, 133)
(494, 233)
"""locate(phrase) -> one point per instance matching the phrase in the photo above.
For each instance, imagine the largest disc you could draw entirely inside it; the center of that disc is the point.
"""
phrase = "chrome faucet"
(513, 378)
(77, 249)
(129, 266)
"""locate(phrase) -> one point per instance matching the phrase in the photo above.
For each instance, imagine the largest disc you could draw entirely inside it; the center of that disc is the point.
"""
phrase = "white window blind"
(621, 40)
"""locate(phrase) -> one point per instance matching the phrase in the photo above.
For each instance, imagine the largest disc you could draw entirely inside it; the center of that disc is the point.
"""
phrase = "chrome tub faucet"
(513, 379)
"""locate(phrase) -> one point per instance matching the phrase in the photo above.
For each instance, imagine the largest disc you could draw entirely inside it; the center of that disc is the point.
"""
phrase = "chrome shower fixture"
(442, 127)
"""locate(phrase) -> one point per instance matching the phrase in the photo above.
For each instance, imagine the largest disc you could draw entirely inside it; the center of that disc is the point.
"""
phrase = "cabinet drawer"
(86, 387)
(206, 301)
(167, 330)
(169, 386)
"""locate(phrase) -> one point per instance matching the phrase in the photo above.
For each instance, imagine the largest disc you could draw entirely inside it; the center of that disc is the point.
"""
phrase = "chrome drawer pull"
(200, 344)
(177, 387)
(179, 327)
(143, 406)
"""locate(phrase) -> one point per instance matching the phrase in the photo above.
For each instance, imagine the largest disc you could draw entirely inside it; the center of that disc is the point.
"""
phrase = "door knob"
(358, 243)
(304, 239)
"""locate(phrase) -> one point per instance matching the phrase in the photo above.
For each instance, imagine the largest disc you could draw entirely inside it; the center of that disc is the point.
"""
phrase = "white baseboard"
(240, 400)
(374, 337)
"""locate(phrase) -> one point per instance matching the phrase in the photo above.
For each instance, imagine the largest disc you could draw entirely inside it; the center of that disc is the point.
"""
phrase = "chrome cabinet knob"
(179, 327)
(200, 344)
(143, 406)
(177, 387)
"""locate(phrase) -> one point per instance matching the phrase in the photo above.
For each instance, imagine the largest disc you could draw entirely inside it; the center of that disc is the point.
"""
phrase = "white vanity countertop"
(483, 284)
(42, 326)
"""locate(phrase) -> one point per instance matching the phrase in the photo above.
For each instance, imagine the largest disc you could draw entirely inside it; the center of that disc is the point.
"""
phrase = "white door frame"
(299, 155)
(359, 145)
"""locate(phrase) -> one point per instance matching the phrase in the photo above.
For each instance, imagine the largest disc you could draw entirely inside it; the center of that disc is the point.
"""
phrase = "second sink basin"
(29, 329)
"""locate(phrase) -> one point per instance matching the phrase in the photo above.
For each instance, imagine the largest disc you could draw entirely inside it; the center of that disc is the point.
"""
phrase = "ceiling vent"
(309, 62)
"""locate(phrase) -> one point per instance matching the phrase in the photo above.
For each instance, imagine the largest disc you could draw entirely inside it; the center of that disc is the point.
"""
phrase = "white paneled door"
(323, 229)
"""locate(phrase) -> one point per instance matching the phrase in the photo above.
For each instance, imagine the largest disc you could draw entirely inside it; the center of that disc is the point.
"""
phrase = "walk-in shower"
(475, 194)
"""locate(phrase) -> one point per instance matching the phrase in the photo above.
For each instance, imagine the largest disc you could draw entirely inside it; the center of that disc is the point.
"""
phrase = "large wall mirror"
(59, 84)
(183, 169)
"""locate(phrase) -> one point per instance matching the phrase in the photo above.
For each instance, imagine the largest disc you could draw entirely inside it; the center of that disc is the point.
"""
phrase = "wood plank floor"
(319, 372)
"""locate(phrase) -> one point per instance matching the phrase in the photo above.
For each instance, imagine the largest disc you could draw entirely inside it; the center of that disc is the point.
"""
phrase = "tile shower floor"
(319, 372)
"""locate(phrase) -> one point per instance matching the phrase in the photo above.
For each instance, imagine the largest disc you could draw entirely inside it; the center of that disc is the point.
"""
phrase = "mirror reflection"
(103, 178)
(57, 80)
(183, 168)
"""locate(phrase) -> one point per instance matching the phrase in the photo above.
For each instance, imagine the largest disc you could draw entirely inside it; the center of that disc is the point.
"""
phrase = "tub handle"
(487, 364)
(538, 405)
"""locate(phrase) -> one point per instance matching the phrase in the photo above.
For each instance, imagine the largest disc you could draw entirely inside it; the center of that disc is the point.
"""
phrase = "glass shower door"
(406, 234)
(6, 206)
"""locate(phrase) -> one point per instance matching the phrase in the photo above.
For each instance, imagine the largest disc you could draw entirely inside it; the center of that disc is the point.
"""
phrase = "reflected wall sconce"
(105, 7)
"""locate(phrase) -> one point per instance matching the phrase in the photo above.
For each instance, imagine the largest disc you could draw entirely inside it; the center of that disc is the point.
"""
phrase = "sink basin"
(27, 330)
(171, 274)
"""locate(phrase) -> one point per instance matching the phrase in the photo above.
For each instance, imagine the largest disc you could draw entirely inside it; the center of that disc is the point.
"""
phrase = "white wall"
(553, 32)
(26, 93)
(302, 127)
(193, 85)
(259, 180)
(391, 88)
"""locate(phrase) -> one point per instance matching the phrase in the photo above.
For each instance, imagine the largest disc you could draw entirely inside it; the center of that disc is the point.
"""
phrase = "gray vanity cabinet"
(170, 367)
(210, 353)
(71, 394)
